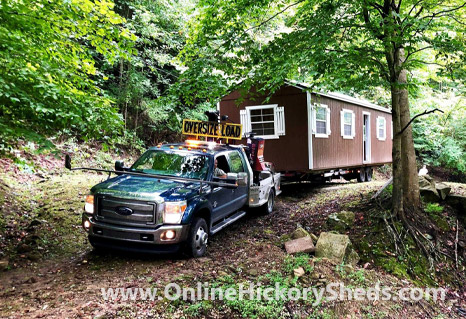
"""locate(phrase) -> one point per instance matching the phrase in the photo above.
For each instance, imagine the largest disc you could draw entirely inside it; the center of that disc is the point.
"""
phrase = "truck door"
(221, 197)
(237, 165)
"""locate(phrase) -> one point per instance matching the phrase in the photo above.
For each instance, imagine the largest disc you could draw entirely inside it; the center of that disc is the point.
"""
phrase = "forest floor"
(50, 270)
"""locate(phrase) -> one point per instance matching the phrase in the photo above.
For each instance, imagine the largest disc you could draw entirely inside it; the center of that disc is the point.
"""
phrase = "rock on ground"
(337, 248)
(299, 233)
(300, 245)
(443, 190)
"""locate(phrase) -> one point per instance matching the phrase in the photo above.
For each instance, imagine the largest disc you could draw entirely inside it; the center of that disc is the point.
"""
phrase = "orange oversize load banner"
(212, 129)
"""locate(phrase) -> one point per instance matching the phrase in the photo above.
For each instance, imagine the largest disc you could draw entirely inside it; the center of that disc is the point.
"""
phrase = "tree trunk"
(411, 196)
(397, 166)
(397, 192)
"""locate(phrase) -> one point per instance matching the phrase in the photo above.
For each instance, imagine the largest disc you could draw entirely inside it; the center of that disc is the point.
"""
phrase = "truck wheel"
(267, 208)
(368, 174)
(198, 237)
(362, 175)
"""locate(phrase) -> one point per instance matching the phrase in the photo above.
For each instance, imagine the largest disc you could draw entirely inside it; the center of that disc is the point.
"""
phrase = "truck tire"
(368, 174)
(267, 208)
(361, 175)
(198, 237)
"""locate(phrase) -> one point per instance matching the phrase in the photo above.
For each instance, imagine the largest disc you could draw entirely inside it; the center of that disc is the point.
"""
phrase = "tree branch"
(416, 116)
(418, 50)
(274, 16)
(441, 13)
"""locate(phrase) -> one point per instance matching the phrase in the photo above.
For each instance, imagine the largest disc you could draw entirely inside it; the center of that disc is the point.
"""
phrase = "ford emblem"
(121, 210)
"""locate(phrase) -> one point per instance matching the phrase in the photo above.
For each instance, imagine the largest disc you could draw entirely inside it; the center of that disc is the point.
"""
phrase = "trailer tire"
(368, 174)
(267, 208)
(197, 238)
(361, 175)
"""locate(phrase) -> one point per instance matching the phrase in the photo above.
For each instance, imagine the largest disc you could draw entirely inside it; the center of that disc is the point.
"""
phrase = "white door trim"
(309, 130)
(369, 138)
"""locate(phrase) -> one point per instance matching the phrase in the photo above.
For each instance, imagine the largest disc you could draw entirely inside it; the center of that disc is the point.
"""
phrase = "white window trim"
(392, 129)
(314, 120)
(384, 137)
(275, 124)
(353, 122)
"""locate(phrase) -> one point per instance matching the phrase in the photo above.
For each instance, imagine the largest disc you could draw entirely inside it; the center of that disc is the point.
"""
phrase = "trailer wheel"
(198, 237)
(368, 174)
(362, 175)
(267, 208)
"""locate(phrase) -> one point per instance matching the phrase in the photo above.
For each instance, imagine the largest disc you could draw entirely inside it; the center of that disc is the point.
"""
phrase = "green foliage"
(300, 260)
(146, 88)
(433, 208)
(440, 138)
(49, 80)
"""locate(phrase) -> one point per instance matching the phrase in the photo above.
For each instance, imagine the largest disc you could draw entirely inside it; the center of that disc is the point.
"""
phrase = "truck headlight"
(89, 204)
(174, 212)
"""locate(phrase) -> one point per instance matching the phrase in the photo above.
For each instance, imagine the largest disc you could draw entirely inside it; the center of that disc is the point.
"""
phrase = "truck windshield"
(173, 164)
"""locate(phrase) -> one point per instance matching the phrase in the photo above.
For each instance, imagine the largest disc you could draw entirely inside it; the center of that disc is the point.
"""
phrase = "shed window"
(321, 120)
(381, 128)
(347, 121)
(266, 121)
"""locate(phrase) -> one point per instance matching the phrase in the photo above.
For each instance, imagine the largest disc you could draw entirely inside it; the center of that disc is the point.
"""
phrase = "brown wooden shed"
(314, 132)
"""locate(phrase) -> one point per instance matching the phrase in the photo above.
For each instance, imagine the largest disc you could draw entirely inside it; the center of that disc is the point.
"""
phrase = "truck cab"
(175, 196)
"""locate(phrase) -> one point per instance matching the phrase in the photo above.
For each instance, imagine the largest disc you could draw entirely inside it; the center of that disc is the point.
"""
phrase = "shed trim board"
(368, 138)
(309, 130)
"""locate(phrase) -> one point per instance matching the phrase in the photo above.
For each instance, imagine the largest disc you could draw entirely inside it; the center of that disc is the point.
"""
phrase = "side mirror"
(68, 161)
(119, 166)
(242, 179)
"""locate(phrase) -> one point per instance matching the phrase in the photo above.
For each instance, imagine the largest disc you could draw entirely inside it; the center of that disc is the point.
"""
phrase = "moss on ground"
(46, 220)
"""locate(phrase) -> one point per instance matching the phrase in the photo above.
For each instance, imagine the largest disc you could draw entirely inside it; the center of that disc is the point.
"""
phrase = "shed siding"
(337, 152)
(290, 151)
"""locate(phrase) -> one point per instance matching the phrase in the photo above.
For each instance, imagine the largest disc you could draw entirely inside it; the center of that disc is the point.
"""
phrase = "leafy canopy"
(49, 80)
(333, 44)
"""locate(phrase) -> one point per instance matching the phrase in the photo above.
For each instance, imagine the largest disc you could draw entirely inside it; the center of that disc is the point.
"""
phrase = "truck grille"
(126, 211)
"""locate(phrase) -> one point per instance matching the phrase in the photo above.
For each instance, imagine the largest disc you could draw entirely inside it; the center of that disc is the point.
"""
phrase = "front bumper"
(106, 235)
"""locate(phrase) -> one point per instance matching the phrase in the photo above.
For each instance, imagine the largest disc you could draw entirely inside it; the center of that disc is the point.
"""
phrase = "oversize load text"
(212, 129)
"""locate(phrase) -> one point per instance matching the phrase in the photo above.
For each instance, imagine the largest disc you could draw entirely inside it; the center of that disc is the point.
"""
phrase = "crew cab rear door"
(222, 198)
(238, 165)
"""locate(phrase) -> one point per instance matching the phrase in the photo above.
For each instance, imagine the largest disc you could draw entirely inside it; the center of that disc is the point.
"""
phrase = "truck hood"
(145, 188)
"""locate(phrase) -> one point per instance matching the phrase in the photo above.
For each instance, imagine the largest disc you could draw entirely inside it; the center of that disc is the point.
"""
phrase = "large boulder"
(300, 245)
(425, 181)
(427, 189)
(340, 221)
(443, 190)
(337, 248)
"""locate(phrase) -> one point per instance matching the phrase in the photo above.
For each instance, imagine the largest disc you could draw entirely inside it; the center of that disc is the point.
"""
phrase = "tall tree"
(336, 44)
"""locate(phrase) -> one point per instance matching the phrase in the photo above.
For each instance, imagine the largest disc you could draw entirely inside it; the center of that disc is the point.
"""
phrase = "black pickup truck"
(175, 196)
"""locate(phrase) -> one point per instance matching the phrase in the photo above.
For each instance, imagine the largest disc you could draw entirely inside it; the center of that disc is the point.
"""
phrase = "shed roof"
(340, 96)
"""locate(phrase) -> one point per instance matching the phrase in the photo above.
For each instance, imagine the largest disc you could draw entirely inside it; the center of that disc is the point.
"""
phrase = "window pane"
(381, 124)
(348, 118)
(381, 132)
(347, 130)
(321, 127)
(321, 113)
(256, 112)
(236, 163)
(267, 111)
(267, 118)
